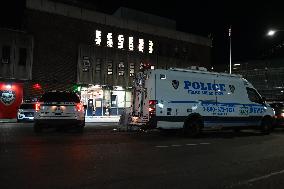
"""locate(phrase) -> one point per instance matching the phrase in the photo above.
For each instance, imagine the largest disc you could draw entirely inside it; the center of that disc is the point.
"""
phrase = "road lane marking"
(265, 176)
(204, 143)
(191, 144)
(162, 146)
(176, 145)
(179, 145)
(258, 178)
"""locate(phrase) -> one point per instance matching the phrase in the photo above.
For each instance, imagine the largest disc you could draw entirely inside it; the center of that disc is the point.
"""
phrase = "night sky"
(249, 21)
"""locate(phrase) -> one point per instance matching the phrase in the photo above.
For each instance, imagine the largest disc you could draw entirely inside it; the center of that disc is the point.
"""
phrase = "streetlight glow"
(271, 32)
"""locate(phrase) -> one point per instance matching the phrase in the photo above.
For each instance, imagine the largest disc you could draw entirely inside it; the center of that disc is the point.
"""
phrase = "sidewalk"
(88, 119)
(8, 120)
(102, 119)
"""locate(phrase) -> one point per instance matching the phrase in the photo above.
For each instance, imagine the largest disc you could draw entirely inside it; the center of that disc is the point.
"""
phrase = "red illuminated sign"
(11, 96)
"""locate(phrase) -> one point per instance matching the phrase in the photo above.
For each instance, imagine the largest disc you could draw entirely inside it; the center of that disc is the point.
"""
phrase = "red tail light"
(79, 107)
(152, 107)
(152, 102)
(37, 107)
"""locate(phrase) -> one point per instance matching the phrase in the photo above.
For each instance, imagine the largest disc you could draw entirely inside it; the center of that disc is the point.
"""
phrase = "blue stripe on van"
(214, 102)
(212, 119)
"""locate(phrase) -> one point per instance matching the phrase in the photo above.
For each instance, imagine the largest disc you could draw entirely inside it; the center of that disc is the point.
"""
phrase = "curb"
(8, 120)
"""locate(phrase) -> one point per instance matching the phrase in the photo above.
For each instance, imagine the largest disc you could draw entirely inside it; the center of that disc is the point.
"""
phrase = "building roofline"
(101, 18)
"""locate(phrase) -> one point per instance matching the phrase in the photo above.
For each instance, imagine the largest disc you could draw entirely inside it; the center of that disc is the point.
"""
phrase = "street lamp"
(230, 31)
(272, 32)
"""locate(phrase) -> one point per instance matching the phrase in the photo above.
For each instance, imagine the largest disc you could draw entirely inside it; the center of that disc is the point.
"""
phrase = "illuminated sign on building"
(141, 45)
(109, 40)
(130, 45)
(151, 44)
(98, 38)
(122, 39)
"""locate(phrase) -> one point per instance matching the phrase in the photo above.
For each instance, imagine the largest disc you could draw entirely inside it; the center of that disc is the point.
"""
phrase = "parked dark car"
(279, 114)
(26, 112)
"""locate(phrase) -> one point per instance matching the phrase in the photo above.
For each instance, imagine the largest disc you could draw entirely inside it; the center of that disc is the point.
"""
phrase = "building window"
(121, 68)
(6, 51)
(22, 56)
(109, 67)
(131, 69)
(98, 65)
(86, 64)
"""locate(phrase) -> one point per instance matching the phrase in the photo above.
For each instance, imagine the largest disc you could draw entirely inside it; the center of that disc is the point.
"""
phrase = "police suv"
(196, 100)
(59, 108)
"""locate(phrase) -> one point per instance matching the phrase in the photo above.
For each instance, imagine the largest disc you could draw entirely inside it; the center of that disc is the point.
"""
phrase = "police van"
(196, 100)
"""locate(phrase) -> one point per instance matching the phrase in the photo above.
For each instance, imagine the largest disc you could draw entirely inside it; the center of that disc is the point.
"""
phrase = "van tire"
(266, 126)
(193, 127)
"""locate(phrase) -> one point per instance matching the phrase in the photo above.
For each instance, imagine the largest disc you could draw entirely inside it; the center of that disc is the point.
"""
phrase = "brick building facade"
(101, 53)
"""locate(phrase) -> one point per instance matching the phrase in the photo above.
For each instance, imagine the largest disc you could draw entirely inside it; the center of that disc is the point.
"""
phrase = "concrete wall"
(11, 69)
(92, 16)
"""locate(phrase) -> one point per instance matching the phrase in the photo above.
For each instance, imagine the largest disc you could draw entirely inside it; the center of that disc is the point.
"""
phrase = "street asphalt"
(105, 157)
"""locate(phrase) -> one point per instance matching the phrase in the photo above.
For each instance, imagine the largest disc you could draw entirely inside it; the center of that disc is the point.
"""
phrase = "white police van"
(196, 100)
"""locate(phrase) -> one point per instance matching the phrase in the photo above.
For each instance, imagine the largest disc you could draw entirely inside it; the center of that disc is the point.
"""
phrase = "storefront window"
(105, 102)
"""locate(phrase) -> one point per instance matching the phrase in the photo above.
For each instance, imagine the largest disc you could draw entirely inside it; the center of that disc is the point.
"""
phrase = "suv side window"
(254, 96)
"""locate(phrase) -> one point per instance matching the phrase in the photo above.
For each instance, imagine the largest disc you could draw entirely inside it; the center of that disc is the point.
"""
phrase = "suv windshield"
(60, 97)
(27, 106)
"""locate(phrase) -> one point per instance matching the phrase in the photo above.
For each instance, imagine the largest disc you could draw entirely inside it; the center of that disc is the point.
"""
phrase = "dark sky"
(249, 21)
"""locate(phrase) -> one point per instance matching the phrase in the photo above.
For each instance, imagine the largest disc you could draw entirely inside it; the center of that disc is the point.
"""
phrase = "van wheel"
(192, 127)
(37, 128)
(266, 126)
